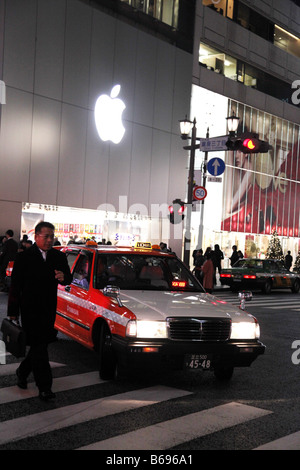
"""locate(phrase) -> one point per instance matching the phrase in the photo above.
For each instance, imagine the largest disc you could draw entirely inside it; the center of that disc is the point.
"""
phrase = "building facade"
(247, 62)
(57, 58)
(160, 60)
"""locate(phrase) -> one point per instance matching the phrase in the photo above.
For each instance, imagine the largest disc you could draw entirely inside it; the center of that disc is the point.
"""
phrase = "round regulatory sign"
(199, 193)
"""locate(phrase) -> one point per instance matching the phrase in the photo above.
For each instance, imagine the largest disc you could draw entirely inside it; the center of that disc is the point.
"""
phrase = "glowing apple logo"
(108, 116)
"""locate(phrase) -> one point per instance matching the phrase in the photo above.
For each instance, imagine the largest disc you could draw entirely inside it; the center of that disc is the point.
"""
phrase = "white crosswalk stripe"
(58, 418)
(166, 434)
(291, 302)
(290, 442)
(159, 436)
(9, 394)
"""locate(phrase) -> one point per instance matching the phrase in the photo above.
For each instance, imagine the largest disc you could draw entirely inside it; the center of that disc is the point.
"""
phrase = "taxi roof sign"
(143, 245)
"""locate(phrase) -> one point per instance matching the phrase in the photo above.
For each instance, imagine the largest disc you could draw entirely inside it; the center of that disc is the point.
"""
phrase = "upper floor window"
(225, 7)
(218, 61)
(242, 72)
(286, 41)
(248, 18)
(165, 11)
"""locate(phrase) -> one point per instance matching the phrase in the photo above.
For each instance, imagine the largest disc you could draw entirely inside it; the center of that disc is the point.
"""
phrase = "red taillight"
(178, 283)
(249, 276)
(225, 275)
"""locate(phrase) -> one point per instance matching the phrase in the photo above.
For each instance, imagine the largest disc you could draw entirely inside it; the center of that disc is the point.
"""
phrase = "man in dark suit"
(33, 293)
(9, 251)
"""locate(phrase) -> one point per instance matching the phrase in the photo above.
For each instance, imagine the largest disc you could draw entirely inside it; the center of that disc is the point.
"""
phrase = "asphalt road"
(181, 412)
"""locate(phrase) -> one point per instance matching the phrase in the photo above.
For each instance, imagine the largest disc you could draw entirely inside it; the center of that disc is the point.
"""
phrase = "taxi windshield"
(144, 272)
(248, 263)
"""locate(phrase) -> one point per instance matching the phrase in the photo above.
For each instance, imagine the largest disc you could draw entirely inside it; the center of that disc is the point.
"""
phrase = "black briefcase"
(14, 338)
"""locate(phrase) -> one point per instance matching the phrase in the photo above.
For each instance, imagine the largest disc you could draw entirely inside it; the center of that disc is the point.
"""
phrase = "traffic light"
(248, 143)
(176, 211)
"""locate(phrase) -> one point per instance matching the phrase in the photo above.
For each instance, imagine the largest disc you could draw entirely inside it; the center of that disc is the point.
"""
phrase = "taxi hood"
(157, 305)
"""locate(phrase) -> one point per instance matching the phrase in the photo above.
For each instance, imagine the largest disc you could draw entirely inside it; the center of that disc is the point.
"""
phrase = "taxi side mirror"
(114, 293)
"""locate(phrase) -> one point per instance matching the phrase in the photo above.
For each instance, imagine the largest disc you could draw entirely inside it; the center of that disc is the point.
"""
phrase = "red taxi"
(139, 306)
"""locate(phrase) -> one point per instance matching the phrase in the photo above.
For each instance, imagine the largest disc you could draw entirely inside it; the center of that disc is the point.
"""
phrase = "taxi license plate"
(197, 361)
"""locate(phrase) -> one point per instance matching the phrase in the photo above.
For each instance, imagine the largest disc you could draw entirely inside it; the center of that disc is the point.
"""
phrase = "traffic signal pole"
(185, 129)
(187, 234)
(201, 225)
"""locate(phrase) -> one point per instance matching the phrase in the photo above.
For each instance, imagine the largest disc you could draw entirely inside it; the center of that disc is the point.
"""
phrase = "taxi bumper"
(174, 354)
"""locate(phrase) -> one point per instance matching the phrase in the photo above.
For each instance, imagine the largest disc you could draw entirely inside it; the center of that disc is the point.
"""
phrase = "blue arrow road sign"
(216, 166)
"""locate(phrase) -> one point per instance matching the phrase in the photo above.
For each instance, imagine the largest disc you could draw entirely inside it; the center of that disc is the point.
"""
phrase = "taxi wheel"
(107, 359)
(296, 287)
(223, 373)
(267, 287)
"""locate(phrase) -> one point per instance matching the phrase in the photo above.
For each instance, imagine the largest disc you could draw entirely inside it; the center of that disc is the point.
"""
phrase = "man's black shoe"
(22, 383)
(46, 396)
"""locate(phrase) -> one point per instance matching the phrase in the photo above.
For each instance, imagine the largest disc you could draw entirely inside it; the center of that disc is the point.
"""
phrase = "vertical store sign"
(108, 116)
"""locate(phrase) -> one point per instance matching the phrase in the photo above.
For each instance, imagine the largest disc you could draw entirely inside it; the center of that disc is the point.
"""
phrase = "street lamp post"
(203, 171)
(186, 126)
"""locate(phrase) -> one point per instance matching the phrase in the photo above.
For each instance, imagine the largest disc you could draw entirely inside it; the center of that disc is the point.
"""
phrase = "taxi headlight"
(146, 329)
(245, 330)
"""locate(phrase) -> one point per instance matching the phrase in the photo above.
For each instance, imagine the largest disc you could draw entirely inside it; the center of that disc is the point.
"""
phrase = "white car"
(140, 306)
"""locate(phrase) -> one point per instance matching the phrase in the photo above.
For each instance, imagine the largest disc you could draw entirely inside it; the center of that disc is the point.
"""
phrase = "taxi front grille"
(199, 329)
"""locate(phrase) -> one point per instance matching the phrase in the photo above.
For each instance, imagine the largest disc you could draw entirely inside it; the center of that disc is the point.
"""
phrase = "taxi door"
(75, 317)
(281, 275)
(285, 275)
(72, 255)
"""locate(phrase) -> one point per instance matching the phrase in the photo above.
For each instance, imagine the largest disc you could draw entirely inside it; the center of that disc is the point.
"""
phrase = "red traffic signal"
(248, 143)
(176, 211)
(251, 144)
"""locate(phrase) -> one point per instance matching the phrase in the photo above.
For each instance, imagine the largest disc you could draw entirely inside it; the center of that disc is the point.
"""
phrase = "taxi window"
(272, 265)
(147, 272)
(280, 266)
(82, 270)
(71, 257)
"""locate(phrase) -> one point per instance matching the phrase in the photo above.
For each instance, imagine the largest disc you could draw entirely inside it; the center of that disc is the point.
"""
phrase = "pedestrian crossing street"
(271, 302)
(160, 436)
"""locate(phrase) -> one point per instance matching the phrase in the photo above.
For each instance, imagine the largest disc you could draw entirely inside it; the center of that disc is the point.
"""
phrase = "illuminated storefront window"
(263, 190)
(82, 224)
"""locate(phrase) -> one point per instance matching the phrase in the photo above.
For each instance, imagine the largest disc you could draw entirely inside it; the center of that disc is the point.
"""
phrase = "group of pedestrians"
(206, 266)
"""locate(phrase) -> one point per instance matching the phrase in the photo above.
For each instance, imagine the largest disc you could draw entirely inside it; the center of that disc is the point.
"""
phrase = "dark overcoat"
(33, 292)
